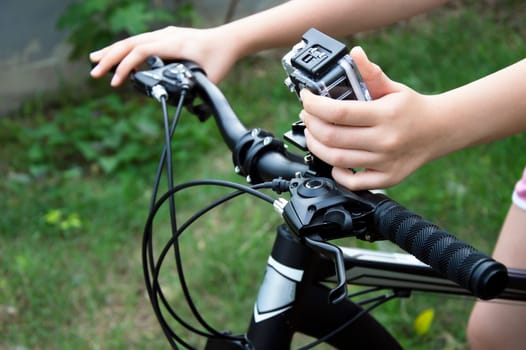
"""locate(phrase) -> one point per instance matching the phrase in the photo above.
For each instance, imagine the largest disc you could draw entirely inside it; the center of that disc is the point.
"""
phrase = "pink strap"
(519, 195)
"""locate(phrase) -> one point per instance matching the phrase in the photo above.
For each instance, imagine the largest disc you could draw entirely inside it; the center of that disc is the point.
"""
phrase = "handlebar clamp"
(248, 150)
(323, 210)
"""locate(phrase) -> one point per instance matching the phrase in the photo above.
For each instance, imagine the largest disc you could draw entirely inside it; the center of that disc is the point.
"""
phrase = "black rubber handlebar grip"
(447, 255)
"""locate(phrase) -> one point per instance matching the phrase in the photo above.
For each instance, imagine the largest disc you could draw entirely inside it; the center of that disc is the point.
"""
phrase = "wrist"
(235, 45)
(445, 127)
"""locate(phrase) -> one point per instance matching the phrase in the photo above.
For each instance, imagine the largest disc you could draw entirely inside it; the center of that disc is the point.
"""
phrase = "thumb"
(377, 82)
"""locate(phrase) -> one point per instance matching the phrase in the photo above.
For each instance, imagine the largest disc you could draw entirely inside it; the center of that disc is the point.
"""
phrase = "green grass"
(81, 286)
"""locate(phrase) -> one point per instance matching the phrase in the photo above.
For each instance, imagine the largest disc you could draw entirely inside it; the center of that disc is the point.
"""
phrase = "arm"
(401, 129)
(488, 109)
(217, 49)
(283, 25)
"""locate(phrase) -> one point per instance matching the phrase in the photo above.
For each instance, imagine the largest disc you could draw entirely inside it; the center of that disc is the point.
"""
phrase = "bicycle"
(294, 296)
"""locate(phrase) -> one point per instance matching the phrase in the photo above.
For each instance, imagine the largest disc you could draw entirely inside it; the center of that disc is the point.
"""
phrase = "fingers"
(377, 82)
(171, 42)
(124, 56)
(355, 113)
(106, 59)
(368, 135)
(133, 59)
(98, 70)
(344, 162)
(95, 56)
(368, 69)
(342, 157)
(340, 136)
(362, 180)
(341, 112)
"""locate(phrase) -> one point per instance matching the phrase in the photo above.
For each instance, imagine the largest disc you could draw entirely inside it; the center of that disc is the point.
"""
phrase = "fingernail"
(94, 54)
(95, 70)
(359, 50)
(302, 116)
(115, 80)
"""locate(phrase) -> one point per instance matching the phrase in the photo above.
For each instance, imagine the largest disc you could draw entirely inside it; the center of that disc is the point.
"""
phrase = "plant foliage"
(102, 135)
(96, 23)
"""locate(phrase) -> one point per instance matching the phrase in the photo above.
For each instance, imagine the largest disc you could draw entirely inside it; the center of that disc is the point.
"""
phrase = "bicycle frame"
(292, 297)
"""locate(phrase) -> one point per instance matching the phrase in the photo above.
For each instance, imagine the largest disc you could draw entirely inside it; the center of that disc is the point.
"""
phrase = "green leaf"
(132, 19)
(423, 321)
(53, 216)
(87, 150)
(108, 164)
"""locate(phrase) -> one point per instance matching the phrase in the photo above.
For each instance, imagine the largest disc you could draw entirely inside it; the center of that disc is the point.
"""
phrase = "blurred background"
(35, 52)
(77, 162)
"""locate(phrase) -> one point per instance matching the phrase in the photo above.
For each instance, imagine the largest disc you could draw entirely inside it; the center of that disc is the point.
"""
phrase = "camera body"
(322, 65)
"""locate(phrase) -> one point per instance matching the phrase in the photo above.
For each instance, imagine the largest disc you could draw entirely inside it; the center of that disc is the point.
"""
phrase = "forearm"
(283, 25)
(485, 110)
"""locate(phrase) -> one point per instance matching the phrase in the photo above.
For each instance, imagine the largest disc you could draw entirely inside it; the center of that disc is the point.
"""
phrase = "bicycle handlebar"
(229, 124)
(453, 258)
(261, 157)
(257, 154)
(321, 209)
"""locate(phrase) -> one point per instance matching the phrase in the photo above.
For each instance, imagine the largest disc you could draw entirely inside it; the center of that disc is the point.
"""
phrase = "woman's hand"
(389, 137)
(207, 47)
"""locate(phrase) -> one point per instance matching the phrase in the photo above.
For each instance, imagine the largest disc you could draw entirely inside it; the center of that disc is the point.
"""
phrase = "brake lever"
(334, 253)
(174, 77)
(320, 210)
